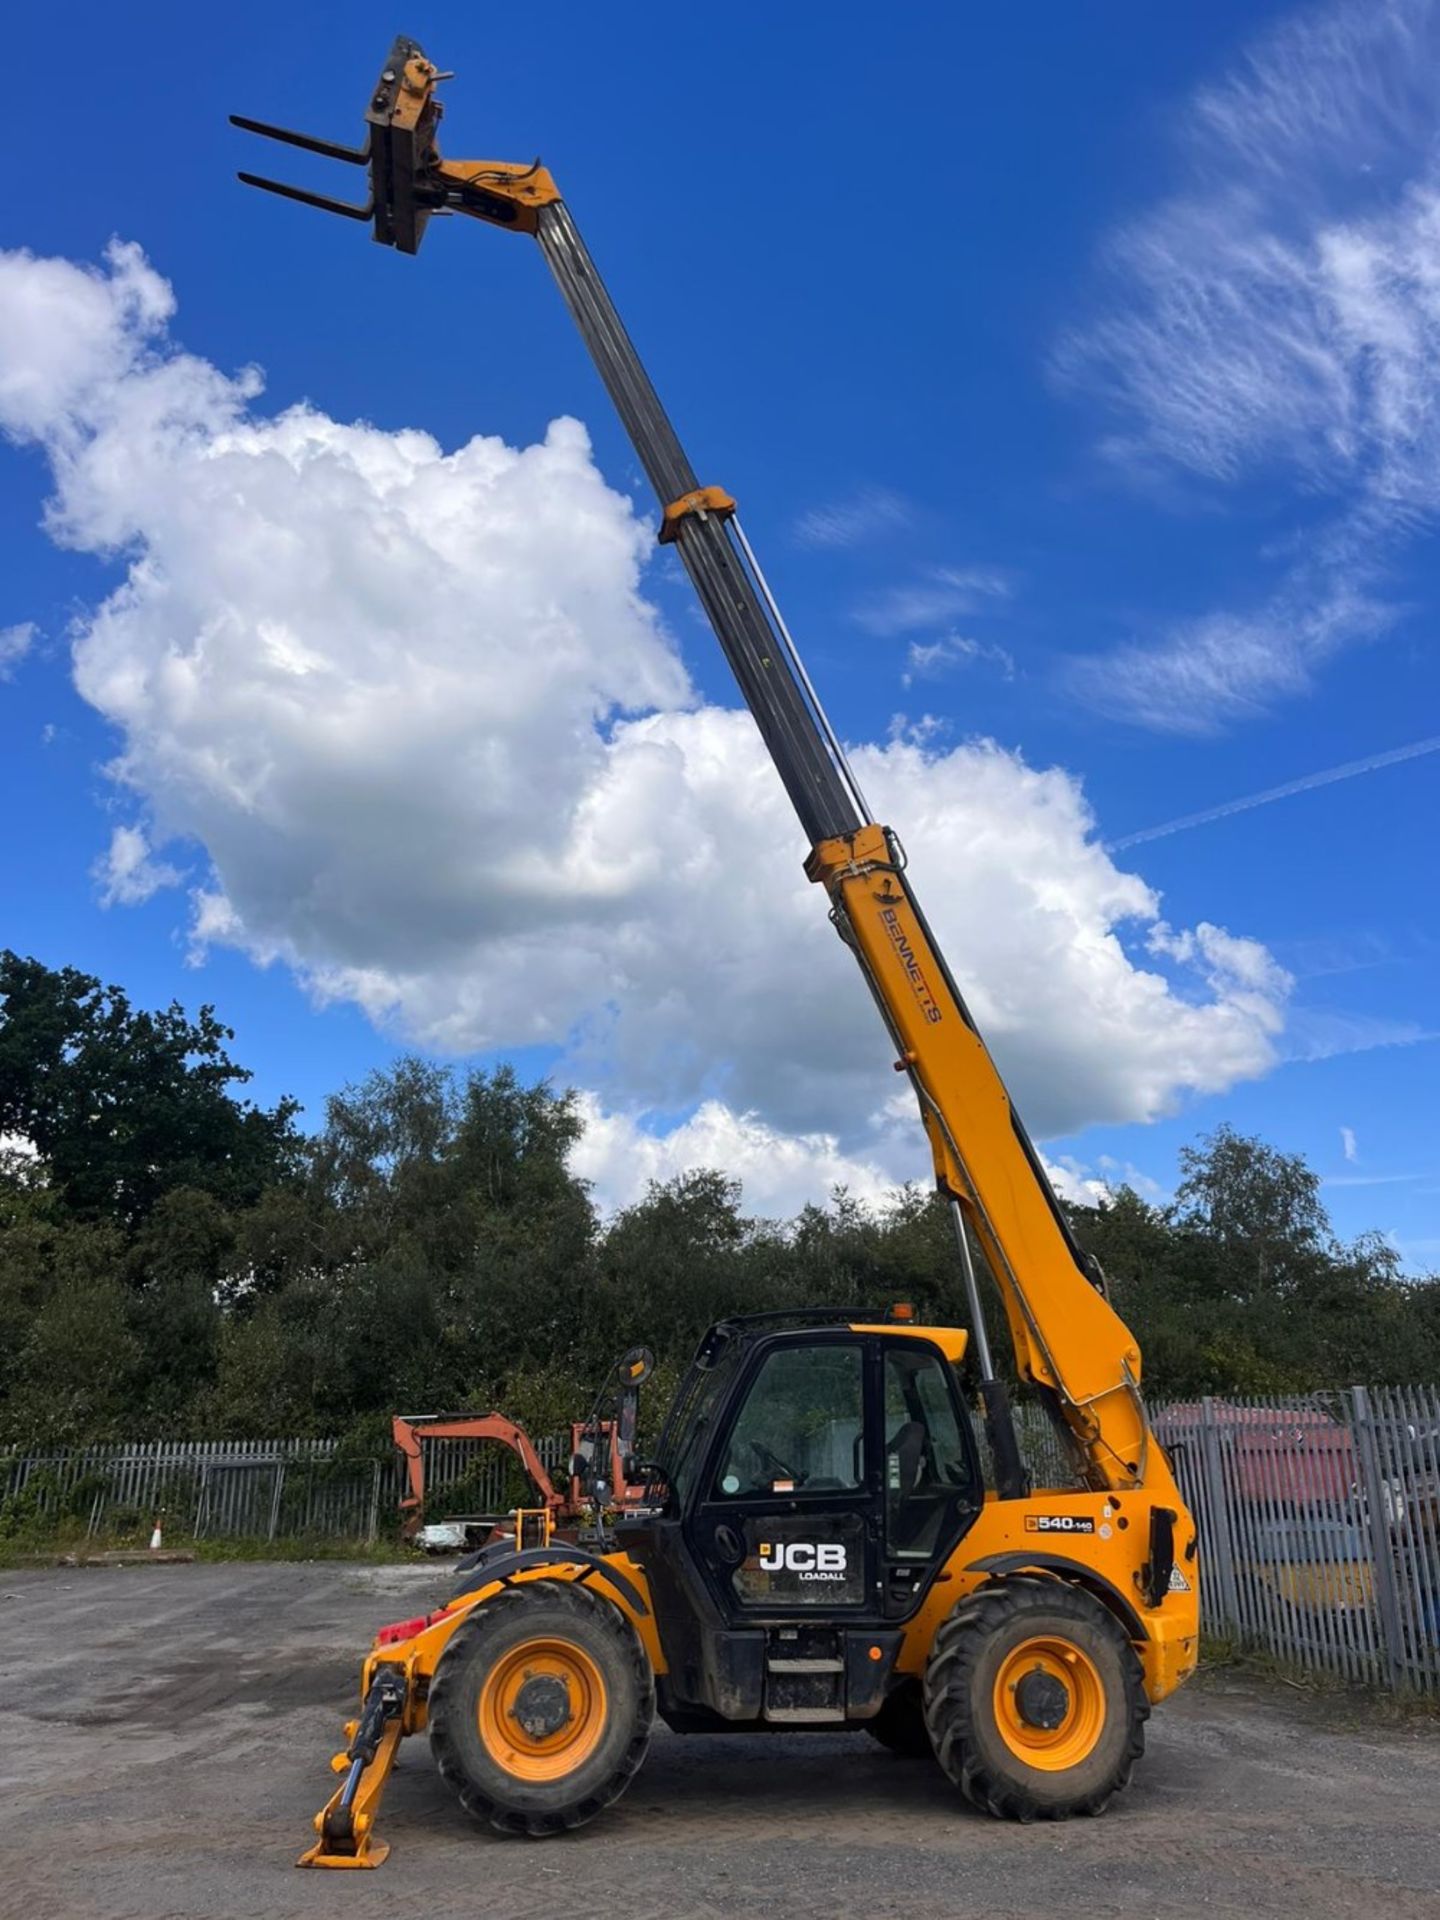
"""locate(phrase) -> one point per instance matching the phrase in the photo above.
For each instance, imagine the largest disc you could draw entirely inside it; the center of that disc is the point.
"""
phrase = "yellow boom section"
(1066, 1335)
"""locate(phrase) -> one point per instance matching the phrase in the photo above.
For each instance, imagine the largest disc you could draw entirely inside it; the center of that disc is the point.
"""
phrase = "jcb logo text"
(812, 1560)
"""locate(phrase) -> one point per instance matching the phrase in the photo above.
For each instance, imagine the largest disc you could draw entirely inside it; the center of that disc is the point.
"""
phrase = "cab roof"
(791, 1322)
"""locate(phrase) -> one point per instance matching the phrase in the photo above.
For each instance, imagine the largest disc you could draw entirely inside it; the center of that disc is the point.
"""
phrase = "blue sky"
(1073, 368)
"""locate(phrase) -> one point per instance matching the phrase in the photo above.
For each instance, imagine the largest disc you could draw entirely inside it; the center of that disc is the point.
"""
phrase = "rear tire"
(1035, 1701)
(900, 1724)
(541, 1708)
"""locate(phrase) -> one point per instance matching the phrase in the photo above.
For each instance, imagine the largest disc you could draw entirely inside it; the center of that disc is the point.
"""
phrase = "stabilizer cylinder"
(346, 1823)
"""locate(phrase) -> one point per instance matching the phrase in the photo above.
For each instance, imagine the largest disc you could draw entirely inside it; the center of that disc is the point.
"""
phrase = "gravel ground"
(166, 1731)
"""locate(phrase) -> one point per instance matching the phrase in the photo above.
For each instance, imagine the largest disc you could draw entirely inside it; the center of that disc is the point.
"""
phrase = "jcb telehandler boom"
(1032, 1629)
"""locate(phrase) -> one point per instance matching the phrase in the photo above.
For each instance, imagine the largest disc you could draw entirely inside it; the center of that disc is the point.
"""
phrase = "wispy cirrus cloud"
(1373, 1179)
(848, 523)
(1280, 319)
(932, 659)
(1323, 1033)
(934, 597)
(1209, 673)
(15, 643)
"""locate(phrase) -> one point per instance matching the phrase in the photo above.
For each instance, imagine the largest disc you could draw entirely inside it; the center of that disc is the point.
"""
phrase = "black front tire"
(551, 1612)
(993, 1765)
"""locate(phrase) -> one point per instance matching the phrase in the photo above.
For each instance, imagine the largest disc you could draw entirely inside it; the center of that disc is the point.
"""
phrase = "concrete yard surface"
(166, 1733)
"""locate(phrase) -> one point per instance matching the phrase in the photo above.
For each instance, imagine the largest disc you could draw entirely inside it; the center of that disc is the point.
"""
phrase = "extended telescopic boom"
(1068, 1340)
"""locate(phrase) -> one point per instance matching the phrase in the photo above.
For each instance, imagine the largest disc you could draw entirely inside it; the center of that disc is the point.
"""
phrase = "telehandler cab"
(817, 1547)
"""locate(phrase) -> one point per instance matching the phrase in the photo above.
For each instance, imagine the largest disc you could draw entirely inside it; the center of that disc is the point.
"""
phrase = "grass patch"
(381, 1553)
(28, 1547)
(1224, 1656)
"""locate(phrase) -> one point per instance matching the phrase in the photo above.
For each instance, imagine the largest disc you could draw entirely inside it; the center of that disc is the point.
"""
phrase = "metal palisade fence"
(256, 1490)
(1319, 1514)
(1320, 1527)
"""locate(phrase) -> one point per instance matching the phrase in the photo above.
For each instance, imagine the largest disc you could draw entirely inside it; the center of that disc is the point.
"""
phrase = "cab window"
(927, 1464)
(800, 1427)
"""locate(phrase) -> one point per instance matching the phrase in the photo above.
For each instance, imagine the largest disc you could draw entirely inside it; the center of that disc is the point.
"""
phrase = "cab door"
(931, 1470)
(788, 1520)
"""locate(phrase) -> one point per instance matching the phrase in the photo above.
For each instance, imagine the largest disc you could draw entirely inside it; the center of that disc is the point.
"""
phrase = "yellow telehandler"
(818, 1546)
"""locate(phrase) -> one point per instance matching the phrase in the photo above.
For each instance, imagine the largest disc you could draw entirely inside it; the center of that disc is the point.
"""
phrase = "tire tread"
(444, 1704)
(949, 1708)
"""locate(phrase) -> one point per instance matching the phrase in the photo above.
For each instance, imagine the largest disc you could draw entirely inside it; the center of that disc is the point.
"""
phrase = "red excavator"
(600, 1468)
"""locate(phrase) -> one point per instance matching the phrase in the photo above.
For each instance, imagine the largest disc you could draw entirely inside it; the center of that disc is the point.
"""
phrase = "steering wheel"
(771, 1463)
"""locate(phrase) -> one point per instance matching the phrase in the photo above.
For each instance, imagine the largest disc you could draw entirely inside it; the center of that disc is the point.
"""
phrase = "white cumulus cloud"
(779, 1172)
(126, 874)
(782, 1172)
(446, 764)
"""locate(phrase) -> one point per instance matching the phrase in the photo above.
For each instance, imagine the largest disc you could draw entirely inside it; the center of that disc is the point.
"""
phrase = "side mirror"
(637, 1365)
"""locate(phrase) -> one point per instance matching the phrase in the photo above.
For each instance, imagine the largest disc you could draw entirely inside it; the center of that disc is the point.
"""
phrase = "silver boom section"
(807, 755)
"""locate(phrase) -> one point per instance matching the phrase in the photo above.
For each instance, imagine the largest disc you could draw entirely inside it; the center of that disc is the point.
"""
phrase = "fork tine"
(332, 149)
(321, 200)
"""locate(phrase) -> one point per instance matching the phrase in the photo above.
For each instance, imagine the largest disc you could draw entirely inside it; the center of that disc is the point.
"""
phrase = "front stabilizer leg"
(346, 1823)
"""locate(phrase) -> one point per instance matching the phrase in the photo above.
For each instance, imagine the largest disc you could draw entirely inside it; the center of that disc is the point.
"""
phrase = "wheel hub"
(542, 1709)
(1042, 1700)
(542, 1706)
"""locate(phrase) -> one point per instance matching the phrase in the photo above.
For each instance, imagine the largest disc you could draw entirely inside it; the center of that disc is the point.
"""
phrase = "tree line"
(177, 1260)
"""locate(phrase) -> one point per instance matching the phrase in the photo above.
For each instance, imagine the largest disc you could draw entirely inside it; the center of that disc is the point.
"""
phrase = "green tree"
(680, 1258)
(437, 1245)
(76, 1376)
(1259, 1207)
(1241, 1285)
(122, 1106)
(174, 1270)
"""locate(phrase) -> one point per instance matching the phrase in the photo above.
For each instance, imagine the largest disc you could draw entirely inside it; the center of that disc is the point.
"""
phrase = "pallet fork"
(409, 181)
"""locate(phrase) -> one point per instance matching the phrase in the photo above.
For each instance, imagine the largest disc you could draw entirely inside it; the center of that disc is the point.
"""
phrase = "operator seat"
(906, 1446)
(907, 1517)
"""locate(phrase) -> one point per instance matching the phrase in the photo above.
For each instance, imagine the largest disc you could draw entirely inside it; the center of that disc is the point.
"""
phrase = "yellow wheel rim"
(542, 1709)
(1049, 1703)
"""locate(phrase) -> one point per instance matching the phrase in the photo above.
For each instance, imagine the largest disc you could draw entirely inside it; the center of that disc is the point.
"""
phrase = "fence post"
(374, 1524)
(275, 1493)
(1372, 1491)
(1217, 1499)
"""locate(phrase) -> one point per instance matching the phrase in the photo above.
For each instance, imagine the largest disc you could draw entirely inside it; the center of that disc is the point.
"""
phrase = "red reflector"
(401, 1630)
